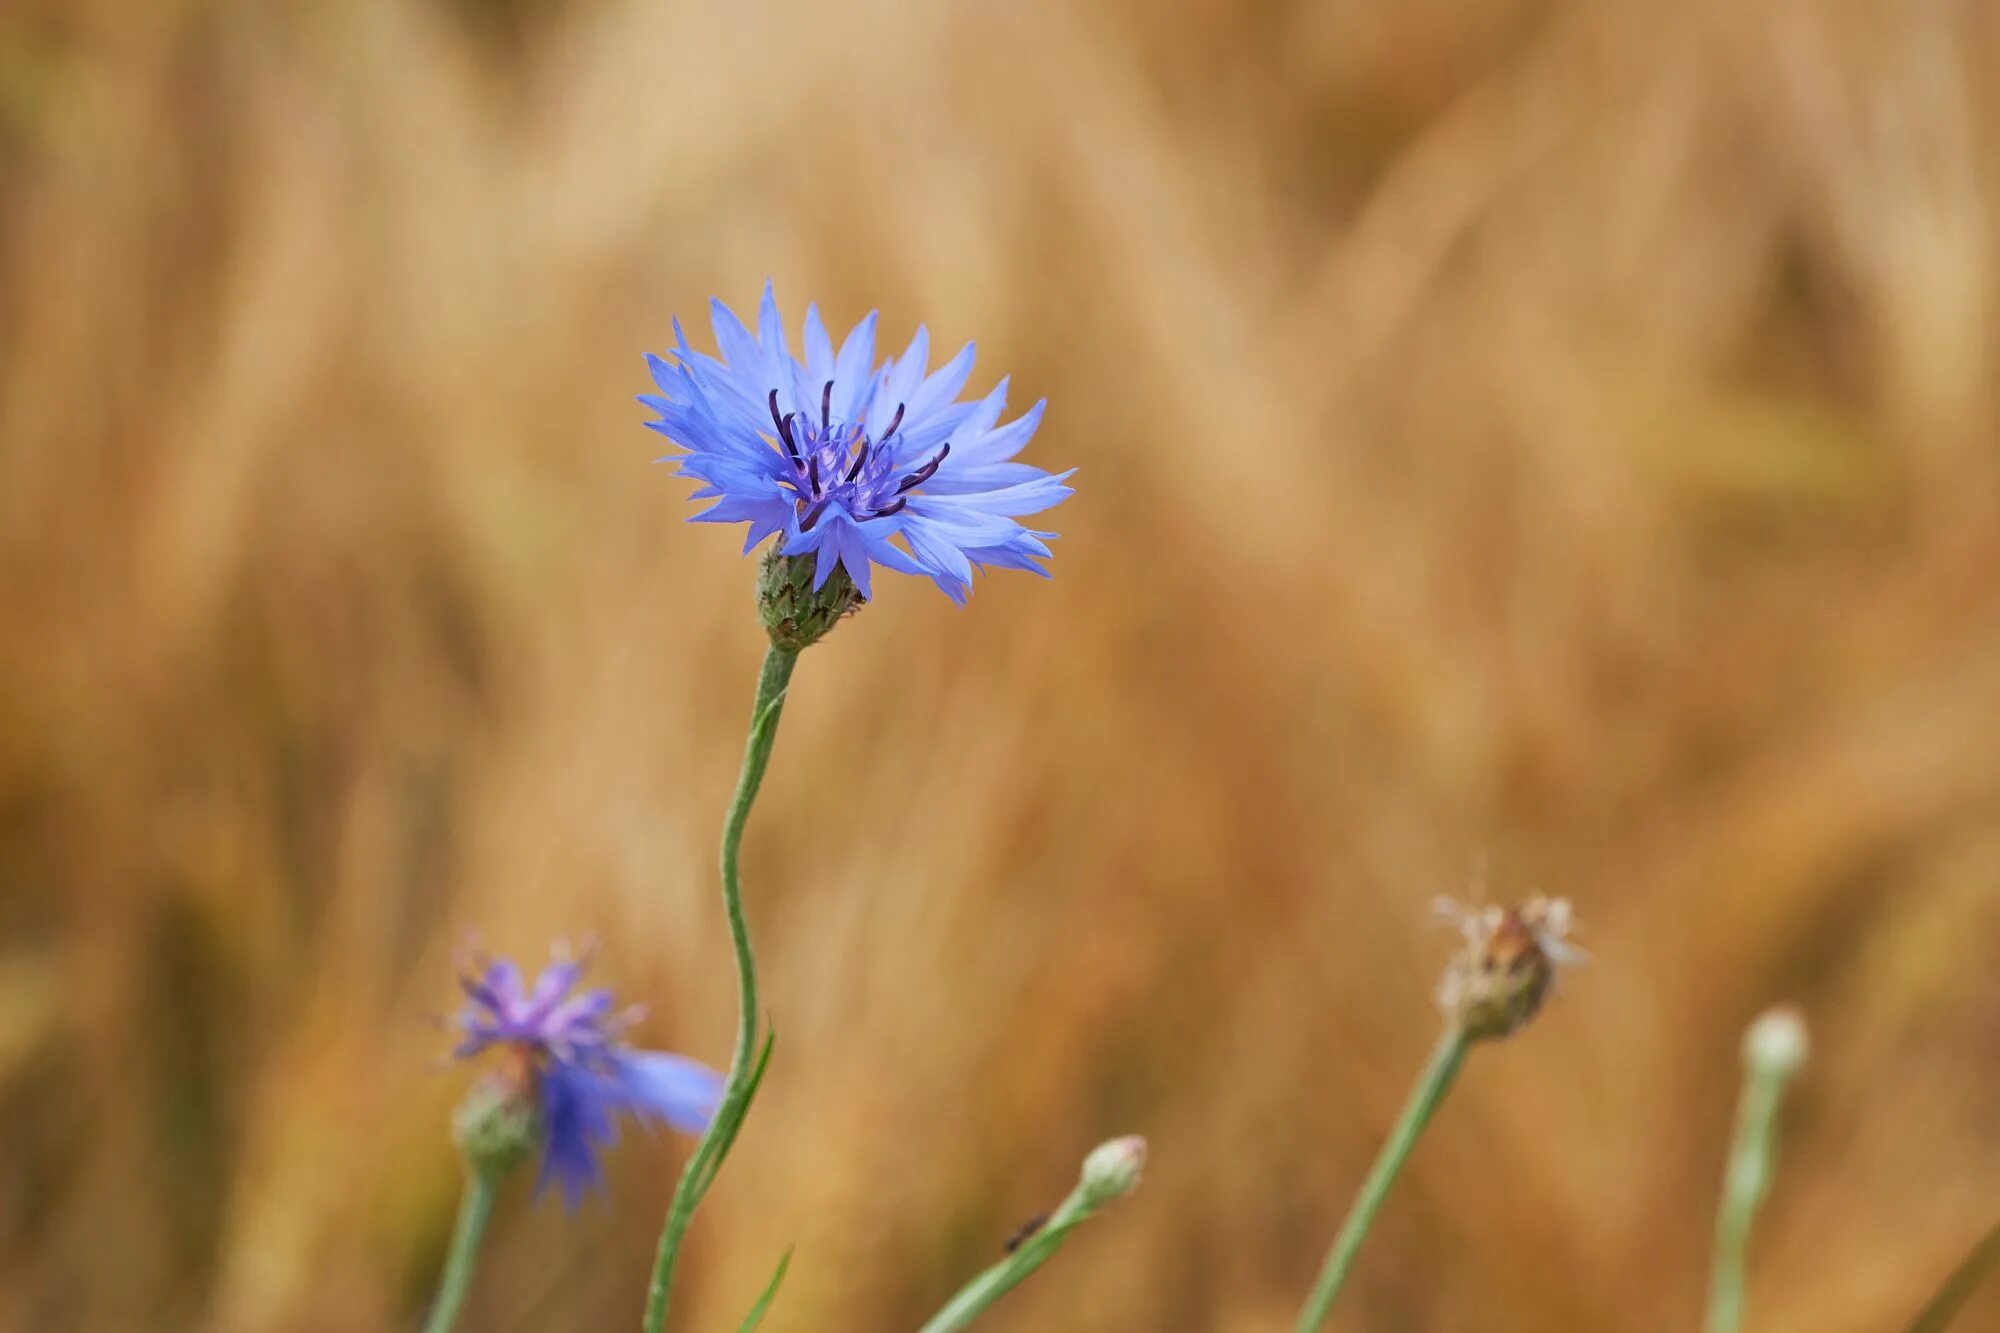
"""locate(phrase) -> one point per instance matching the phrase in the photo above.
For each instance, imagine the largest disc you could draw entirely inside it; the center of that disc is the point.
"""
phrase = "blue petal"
(740, 352)
(664, 374)
(853, 556)
(938, 552)
(682, 1092)
(961, 423)
(554, 982)
(875, 535)
(905, 373)
(997, 446)
(829, 551)
(941, 388)
(852, 370)
(819, 348)
(576, 1122)
(974, 477)
(771, 330)
(1025, 497)
(501, 984)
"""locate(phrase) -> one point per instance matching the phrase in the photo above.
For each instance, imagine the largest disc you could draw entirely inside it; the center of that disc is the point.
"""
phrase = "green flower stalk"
(1493, 987)
(746, 1065)
(1773, 1049)
(497, 1128)
(1110, 1172)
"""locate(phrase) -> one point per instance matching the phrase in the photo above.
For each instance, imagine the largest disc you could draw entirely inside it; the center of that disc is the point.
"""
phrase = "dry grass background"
(1558, 434)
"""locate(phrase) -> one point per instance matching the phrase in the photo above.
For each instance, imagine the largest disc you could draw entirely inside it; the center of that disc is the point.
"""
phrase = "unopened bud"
(497, 1124)
(795, 614)
(1776, 1042)
(1497, 982)
(1112, 1169)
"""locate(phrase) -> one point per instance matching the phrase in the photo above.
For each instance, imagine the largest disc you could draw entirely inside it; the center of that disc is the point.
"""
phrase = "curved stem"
(975, 1296)
(1429, 1093)
(474, 1209)
(745, 1066)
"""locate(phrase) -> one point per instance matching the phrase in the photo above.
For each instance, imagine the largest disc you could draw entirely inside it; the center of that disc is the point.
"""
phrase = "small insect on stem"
(1025, 1230)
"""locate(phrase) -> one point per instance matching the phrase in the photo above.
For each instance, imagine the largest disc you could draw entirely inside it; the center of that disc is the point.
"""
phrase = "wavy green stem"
(475, 1208)
(746, 1064)
(1425, 1099)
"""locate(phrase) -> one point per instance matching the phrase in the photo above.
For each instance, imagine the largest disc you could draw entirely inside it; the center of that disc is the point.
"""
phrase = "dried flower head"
(565, 1059)
(848, 463)
(1497, 982)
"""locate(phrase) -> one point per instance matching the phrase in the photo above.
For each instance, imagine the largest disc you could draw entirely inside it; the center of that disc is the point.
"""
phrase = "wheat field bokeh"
(1545, 446)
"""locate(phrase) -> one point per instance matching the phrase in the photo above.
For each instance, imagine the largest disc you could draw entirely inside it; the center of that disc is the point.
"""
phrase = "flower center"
(837, 463)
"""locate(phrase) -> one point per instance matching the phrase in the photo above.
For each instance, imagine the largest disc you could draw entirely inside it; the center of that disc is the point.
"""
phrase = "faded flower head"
(566, 1066)
(1498, 980)
(851, 463)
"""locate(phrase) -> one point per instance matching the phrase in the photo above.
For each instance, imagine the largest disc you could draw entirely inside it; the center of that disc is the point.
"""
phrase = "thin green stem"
(474, 1210)
(1748, 1177)
(1425, 1099)
(973, 1299)
(745, 1064)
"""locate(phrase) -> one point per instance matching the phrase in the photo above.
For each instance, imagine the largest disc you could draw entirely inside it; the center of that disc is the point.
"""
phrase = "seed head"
(1497, 981)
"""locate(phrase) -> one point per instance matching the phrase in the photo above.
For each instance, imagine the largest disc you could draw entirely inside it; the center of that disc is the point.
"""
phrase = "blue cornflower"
(565, 1048)
(840, 457)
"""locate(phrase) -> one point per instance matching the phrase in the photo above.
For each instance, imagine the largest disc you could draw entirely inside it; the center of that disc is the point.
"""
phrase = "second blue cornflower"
(563, 1050)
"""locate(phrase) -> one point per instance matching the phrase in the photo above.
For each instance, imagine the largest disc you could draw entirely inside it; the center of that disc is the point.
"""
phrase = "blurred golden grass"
(1558, 434)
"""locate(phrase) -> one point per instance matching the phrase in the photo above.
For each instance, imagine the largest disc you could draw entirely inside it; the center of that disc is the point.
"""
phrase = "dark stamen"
(812, 515)
(859, 459)
(826, 406)
(812, 472)
(924, 473)
(784, 425)
(894, 422)
(895, 508)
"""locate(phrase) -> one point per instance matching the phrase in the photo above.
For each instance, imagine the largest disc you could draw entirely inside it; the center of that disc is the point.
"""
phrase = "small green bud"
(497, 1124)
(1112, 1169)
(794, 615)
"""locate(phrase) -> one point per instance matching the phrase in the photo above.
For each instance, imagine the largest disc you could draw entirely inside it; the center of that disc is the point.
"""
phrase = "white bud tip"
(1776, 1041)
(1112, 1169)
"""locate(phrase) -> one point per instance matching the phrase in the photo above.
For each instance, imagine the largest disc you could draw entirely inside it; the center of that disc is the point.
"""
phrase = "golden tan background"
(1555, 435)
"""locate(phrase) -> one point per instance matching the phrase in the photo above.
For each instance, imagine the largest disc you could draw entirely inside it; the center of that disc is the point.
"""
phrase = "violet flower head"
(564, 1048)
(853, 463)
